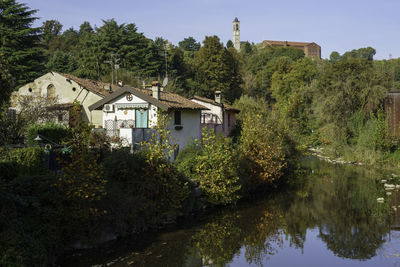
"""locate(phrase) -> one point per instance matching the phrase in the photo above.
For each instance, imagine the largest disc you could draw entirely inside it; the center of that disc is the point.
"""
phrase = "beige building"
(65, 89)
(311, 50)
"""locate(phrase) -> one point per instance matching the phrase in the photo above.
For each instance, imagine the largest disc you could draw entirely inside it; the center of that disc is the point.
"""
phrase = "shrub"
(216, 169)
(164, 186)
(375, 134)
(187, 159)
(29, 160)
(262, 148)
(49, 131)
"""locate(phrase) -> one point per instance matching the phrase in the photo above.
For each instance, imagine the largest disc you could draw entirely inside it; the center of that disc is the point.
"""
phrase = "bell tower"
(236, 34)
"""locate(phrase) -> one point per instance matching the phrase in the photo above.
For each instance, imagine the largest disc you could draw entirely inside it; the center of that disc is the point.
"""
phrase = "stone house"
(218, 116)
(62, 90)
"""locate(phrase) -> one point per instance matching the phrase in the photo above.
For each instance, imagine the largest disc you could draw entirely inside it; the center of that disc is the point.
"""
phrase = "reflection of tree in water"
(340, 200)
(256, 229)
(351, 222)
(219, 240)
(265, 238)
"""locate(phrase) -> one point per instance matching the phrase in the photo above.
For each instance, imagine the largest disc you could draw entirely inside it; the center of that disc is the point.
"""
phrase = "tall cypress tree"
(20, 42)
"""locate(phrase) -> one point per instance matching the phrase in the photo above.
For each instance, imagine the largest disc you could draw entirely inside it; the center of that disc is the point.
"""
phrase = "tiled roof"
(94, 86)
(173, 101)
(210, 101)
(167, 100)
(282, 43)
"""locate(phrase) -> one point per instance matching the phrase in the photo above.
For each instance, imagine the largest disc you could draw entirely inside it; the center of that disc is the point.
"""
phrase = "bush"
(29, 160)
(51, 131)
(214, 167)
(375, 134)
(187, 159)
(262, 148)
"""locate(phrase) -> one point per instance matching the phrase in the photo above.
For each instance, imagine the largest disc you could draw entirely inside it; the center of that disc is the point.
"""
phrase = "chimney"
(218, 97)
(107, 87)
(155, 87)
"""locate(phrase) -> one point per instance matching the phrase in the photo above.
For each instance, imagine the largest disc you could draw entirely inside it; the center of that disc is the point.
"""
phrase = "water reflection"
(333, 216)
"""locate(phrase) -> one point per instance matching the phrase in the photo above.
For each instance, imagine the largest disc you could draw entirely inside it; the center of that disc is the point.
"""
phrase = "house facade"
(62, 90)
(131, 114)
(218, 116)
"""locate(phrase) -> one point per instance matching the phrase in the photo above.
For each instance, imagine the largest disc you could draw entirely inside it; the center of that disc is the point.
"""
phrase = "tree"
(217, 70)
(19, 42)
(189, 44)
(215, 168)
(262, 143)
(343, 88)
(51, 29)
(85, 28)
(5, 82)
(335, 56)
(246, 47)
(81, 179)
(365, 53)
(229, 44)
(62, 62)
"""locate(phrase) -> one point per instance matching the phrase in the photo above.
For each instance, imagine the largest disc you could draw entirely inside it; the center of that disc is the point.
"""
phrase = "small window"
(73, 89)
(177, 117)
(60, 117)
(51, 91)
(30, 90)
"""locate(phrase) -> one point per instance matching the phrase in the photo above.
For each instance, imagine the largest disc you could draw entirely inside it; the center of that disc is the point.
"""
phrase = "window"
(229, 120)
(177, 117)
(51, 91)
(60, 117)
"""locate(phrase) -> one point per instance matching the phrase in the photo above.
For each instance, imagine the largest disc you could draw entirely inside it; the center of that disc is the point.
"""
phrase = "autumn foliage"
(262, 149)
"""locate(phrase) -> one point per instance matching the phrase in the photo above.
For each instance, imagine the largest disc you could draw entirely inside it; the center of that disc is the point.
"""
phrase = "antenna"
(166, 63)
(165, 81)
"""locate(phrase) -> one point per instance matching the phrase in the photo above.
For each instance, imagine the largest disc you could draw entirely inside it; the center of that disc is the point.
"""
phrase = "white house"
(65, 89)
(218, 116)
(130, 113)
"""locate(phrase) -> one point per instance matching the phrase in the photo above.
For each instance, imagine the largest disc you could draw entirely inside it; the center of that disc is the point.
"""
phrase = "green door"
(141, 118)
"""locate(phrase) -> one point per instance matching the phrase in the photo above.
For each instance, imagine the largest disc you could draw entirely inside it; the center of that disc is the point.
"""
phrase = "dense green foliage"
(19, 42)
(214, 167)
(5, 81)
(51, 133)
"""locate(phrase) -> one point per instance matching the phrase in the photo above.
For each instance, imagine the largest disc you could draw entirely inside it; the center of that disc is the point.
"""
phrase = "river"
(332, 218)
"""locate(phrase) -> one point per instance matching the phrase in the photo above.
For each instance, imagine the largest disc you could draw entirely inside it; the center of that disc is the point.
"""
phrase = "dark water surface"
(331, 219)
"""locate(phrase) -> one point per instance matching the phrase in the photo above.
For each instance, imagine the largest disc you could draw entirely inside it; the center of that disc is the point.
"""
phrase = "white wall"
(213, 109)
(190, 122)
(119, 114)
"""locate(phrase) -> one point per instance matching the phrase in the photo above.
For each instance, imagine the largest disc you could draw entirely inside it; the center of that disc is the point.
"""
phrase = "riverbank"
(319, 153)
(389, 161)
(298, 225)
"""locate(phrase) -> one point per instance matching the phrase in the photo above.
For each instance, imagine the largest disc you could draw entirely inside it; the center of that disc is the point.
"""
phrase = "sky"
(336, 25)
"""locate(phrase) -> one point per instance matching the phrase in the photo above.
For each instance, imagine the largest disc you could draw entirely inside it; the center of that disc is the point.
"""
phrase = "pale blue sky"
(336, 25)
